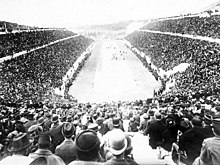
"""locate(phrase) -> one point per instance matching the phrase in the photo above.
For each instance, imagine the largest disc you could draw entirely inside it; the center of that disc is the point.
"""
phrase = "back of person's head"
(87, 146)
(197, 122)
(39, 161)
(117, 142)
(216, 125)
(68, 130)
(44, 140)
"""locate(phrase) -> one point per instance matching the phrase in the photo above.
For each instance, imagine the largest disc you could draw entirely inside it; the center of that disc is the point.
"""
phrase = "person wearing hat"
(56, 133)
(87, 148)
(143, 124)
(20, 149)
(47, 122)
(102, 127)
(155, 131)
(43, 150)
(210, 151)
(31, 121)
(117, 123)
(207, 124)
(133, 125)
(116, 145)
(190, 142)
(67, 149)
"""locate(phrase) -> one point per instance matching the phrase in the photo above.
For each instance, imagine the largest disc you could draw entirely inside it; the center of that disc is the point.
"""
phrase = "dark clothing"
(103, 129)
(115, 161)
(56, 136)
(169, 137)
(191, 142)
(67, 151)
(155, 131)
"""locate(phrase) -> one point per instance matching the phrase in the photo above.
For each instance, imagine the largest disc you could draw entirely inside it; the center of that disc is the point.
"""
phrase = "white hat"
(117, 142)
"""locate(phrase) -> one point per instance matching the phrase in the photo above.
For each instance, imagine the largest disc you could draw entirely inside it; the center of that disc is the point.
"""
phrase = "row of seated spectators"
(201, 26)
(31, 76)
(166, 52)
(12, 43)
(77, 129)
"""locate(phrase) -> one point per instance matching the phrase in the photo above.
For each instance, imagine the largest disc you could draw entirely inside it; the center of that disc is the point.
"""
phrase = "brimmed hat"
(116, 122)
(216, 124)
(68, 129)
(117, 142)
(40, 121)
(55, 118)
(19, 142)
(93, 126)
(87, 141)
(44, 139)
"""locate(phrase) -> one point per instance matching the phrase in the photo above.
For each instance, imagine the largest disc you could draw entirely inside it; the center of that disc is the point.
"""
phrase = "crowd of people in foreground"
(95, 133)
(201, 26)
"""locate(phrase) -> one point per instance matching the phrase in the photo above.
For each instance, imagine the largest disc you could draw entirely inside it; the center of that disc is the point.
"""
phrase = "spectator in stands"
(44, 151)
(56, 133)
(191, 141)
(20, 149)
(210, 148)
(87, 148)
(67, 149)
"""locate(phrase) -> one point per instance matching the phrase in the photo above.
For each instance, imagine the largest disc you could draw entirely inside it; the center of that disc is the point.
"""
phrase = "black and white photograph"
(110, 82)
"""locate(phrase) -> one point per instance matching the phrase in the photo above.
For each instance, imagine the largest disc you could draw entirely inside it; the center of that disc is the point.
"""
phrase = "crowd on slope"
(201, 26)
(166, 52)
(12, 43)
(31, 76)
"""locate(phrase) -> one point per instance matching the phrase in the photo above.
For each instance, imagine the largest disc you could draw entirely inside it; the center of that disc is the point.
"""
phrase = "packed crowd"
(33, 76)
(12, 43)
(76, 133)
(201, 26)
(166, 52)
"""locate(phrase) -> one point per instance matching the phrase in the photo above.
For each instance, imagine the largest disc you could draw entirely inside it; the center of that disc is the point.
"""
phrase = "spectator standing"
(44, 151)
(20, 149)
(67, 149)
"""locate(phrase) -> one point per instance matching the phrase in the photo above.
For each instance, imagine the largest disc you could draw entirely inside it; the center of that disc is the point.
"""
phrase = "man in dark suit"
(67, 149)
(56, 133)
(155, 131)
(190, 142)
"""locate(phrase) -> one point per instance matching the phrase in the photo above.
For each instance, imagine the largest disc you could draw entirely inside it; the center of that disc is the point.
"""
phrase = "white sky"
(70, 13)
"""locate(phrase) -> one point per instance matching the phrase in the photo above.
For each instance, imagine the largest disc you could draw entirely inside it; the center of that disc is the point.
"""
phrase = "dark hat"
(208, 119)
(217, 108)
(87, 141)
(68, 129)
(216, 124)
(19, 142)
(69, 118)
(55, 118)
(196, 121)
(99, 120)
(40, 121)
(116, 122)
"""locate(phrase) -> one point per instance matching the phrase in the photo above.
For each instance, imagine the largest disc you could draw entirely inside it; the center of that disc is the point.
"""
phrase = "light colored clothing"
(52, 159)
(210, 152)
(16, 160)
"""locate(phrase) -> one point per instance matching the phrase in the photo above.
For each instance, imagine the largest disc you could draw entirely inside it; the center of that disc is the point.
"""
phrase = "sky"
(71, 13)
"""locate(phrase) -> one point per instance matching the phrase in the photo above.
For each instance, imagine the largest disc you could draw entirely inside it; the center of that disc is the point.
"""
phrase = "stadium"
(88, 82)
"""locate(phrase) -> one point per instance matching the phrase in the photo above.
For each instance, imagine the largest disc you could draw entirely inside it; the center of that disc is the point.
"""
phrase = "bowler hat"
(87, 141)
(19, 142)
(68, 129)
(40, 121)
(93, 126)
(117, 142)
